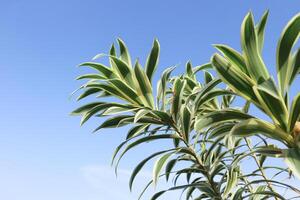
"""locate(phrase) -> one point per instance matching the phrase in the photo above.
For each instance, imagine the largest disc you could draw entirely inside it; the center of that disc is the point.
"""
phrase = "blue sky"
(44, 153)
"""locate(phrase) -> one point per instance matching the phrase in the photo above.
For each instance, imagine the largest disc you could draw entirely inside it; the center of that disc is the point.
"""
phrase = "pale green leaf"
(159, 164)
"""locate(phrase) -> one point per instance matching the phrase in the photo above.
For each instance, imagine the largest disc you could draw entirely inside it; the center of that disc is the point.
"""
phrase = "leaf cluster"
(211, 140)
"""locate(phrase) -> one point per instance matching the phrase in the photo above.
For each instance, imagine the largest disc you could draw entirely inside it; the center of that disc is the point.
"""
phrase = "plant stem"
(260, 168)
(205, 171)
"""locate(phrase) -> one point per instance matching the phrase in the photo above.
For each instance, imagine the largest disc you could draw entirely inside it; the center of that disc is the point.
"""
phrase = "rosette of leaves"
(246, 74)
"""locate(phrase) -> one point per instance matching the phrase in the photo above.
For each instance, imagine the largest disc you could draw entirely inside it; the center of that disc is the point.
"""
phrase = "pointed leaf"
(138, 168)
(220, 116)
(186, 122)
(286, 42)
(255, 126)
(254, 62)
(114, 122)
(237, 80)
(122, 69)
(294, 112)
(124, 54)
(88, 92)
(260, 30)
(292, 159)
(152, 60)
(159, 165)
(86, 108)
(141, 113)
(144, 85)
(98, 66)
(234, 57)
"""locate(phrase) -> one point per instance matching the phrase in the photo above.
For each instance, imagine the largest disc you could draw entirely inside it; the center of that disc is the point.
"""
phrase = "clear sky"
(44, 154)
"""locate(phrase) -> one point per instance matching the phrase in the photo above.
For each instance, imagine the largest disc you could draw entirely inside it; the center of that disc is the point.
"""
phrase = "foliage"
(247, 75)
(210, 137)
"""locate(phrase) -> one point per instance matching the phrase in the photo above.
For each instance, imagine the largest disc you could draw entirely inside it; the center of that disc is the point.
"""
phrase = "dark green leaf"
(152, 60)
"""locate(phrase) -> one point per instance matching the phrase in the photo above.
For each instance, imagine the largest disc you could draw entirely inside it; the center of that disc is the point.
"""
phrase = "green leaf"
(124, 54)
(292, 159)
(113, 108)
(211, 94)
(200, 98)
(91, 76)
(162, 87)
(146, 139)
(221, 130)
(189, 70)
(198, 185)
(144, 190)
(280, 183)
(286, 42)
(220, 116)
(169, 166)
(178, 89)
(136, 130)
(254, 62)
(92, 112)
(159, 165)
(141, 113)
(144, 85)
(107, 72)
(256, 126)
(86, 108)
(295, 66)
(260, 30)
(126, 91)
(260, 188)
(232, 179)
(191, 83)
(112, 50)
(267, 194)
(162, 116)
(158, 194)
(88, 92)
(186, 122)
(236, 79)
(107, 88)
(122, 69)
(149, 120)
(238, 194)
(208, 77)
(272, 103)
(152, 60)
(189, 192)
(99, 55)
(114, 122)
(228, 99)
(270, 150)
(234, 57)
(202, 67)
(117, 110)
(294, 112)
(117, 150)
(138, 168)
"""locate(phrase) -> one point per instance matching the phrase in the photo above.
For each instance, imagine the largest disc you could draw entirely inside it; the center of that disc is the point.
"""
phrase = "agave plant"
(246, 74)
(208, 159)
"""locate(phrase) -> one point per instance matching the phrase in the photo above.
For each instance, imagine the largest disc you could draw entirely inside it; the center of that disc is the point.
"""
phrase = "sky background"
(44, 154)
